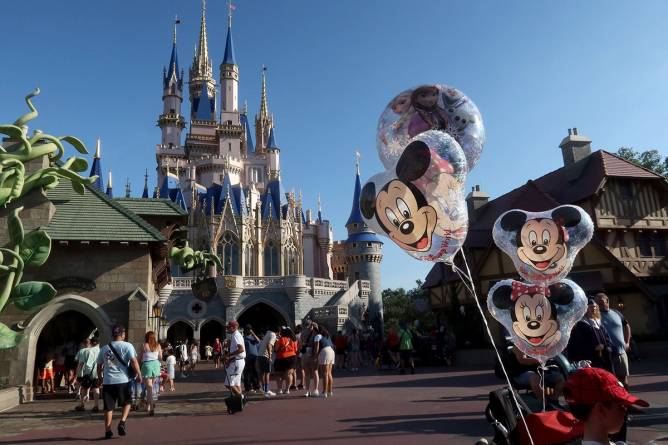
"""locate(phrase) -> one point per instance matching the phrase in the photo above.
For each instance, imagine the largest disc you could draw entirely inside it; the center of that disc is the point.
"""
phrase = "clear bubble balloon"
(419, 202)
(543, 245)
(430, 107)
(539, 318)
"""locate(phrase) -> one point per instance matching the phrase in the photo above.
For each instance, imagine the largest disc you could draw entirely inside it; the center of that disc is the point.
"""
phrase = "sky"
(534, 69)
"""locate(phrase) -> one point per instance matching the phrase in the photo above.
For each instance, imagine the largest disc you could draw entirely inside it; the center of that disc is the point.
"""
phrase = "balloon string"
(466, 276)
(541, 373)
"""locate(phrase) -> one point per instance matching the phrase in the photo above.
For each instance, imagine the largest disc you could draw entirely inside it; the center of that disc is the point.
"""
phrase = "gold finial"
(358, 155)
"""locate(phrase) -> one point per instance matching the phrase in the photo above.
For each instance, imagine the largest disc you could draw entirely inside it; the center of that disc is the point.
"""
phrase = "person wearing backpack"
(118, 359)
(406, 349)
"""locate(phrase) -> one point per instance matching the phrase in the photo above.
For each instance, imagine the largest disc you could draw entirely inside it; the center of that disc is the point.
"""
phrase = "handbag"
(128, 369)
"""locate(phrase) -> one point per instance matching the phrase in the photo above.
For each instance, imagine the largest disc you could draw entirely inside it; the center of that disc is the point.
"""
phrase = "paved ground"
(435, 406)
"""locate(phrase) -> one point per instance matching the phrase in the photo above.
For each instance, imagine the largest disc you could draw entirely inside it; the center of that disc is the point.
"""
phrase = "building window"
(270, 259)
(172, 111)
(228, 251)
(369, 244)
(248, 260)
(357, 276)
(229, 146)
(290, 259)
(354, 245)
(658, 242)
(626, 190)
(644, 244)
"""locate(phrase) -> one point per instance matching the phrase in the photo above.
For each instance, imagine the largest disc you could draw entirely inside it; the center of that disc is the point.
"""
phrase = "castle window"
(290, 259)
(369, 244)
(271, 259)
(354, 245)
(172, 111)
(644, 244)
(228, 251)
(229, 146)
(229, 122)
(626, 190)
(658, 242)
(248, 260)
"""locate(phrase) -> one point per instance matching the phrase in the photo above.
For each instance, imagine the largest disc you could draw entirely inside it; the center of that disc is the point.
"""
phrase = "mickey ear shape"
(414, 161)
(502, 297)
(368, 200)
(513, 220)
(567, 216)
(561, 293)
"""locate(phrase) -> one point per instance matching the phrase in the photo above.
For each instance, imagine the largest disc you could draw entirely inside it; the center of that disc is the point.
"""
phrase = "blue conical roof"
(272, 140)
(355, 212)
(96, 170)
(268, 208)
(173, 69)
(164, 188)
(203, 112)
(249, 136)
(228, 58)
(110, 192)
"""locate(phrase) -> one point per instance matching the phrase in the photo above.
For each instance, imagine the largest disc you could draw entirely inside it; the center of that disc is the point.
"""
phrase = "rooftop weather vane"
(358, 155)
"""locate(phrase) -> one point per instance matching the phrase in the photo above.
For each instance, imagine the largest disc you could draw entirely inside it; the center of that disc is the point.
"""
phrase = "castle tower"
(363, 253)
(171, 122)
(201, 73)
(96, 168)
(263, 121)
(229, 76)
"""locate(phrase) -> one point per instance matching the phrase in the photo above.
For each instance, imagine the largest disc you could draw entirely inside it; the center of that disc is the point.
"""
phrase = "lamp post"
(163, 323)
(157, 314)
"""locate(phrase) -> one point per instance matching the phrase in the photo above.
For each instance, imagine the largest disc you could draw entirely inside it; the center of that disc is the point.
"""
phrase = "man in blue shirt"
(250, 377)
(117, 357)
(620, 334)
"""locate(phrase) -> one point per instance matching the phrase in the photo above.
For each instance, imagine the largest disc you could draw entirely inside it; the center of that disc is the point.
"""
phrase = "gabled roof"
(94, 217)
(152, 207)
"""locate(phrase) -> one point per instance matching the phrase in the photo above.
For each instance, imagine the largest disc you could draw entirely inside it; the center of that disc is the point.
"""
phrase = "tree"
(399, 305)
(649, 159)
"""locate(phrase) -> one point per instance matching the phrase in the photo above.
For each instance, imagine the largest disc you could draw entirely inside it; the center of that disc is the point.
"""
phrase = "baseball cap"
(233, 324)
(587, 386)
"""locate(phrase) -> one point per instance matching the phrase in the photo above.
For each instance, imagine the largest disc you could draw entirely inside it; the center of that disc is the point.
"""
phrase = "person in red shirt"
(217, 353)
(285, 364)
(340, 344)
(393, 346)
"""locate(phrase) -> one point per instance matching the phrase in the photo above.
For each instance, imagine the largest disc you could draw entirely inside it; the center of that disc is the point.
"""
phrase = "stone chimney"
(574, 147)
(474, 201)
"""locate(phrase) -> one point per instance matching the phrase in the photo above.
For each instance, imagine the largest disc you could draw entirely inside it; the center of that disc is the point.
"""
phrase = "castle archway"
(208, 332)
(180, 331)
(261, 315)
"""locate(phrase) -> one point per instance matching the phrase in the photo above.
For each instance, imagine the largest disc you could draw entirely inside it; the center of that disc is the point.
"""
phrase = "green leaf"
(15, 227)
(78, 187)
(31, 294)
(12, 176)
(79, 165)
(35, 248)
(8, 337)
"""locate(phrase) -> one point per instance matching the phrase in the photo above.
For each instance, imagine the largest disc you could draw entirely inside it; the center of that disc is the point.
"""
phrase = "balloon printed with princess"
(419, 202)
(543, 245)
(538, 318)
(430, 107)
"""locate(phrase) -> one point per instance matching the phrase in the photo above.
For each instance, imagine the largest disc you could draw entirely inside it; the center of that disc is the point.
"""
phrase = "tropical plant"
(31, 249)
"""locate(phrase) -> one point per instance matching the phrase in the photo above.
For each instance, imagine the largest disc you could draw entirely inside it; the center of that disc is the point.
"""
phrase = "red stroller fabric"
(550, 428)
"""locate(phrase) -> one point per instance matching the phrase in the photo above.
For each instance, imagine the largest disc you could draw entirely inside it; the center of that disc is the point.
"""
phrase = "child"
(171, 368)
(48, 383)
(600, 401)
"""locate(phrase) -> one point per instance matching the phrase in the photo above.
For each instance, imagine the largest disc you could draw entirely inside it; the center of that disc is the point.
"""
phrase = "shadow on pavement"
(450, 423)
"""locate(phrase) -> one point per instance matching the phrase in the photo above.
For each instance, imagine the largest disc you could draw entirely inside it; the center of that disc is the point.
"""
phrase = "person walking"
(171, 368)
(87, 375)
(326, 361)
(150, 368)
(115, 363)
(286, 359)
(250, 377)
(405, 349)
(69, 352)
(265, 352)
(309, 365)
(208, 352)
(590, 340)
(354, 350)
(217, 353)
(234, 362)
(182, 350)
(299, 370)
(620, 335)
(340, 344)
(194, 357)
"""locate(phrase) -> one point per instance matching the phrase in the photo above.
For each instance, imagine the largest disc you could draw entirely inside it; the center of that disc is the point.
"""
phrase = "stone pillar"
(137, 317)
(296, 287)
(230, 288)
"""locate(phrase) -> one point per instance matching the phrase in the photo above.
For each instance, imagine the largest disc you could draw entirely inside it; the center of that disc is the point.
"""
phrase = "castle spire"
(201, 62)
(145, 193)
(96, 168)
(228, 58)
(355, 212)
(264, 109)
(110, 192)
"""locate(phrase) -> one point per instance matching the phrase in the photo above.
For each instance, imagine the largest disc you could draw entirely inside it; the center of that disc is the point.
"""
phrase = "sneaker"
(287, 391)
(300, 387)
(280, 391)
(271, 393)
(330, 394)
(322, 395)
(315, 393)
(108, 435)
(307, 394)
(292, 387)
(121, 428)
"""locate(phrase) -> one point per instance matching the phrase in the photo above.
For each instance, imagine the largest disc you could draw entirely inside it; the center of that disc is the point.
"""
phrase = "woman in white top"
(150, 367)
(194, 356)
(171, 368)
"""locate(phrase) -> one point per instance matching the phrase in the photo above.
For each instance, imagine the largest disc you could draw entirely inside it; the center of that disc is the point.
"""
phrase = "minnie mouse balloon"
(430, 107)
(538, 318)
(419, 202)
(543, 245)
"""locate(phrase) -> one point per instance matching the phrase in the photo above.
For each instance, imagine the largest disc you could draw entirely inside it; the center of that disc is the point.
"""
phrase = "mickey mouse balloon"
(430, 107)
(419, 202)
(538, 318)
(543, 245)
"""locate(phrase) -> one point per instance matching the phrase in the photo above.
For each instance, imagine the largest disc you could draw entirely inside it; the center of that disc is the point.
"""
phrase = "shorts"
(171, 372)
(263, 364)
(150, 369)
(234, 371)
(116, 395)
(87, 382)
(47, 373)
(326, 356)
(620, 364)
(285, 364)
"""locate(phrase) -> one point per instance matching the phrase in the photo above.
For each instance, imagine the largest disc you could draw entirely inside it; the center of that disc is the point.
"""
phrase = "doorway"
(208, 333)
(261, 316)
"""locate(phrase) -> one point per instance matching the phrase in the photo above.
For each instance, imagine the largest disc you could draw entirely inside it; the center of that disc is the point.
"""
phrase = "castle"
(227, 178)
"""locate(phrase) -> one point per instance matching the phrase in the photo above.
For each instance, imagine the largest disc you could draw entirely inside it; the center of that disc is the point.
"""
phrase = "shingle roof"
(152, 207)
(94, 217)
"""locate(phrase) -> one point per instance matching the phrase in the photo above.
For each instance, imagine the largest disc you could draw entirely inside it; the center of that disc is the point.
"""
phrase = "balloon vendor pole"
(467, 278)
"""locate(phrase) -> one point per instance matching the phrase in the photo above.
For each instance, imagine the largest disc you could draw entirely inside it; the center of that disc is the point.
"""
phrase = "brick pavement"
(433, 406)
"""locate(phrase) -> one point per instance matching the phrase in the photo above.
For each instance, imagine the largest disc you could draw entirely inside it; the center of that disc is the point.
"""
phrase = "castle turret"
(171, 122)
(201, 72)
(96, 168)
(363, 253)
(229, 76)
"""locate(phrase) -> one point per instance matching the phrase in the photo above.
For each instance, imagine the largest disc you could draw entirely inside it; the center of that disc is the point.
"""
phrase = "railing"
(263, 282)
(317, 287)
(181, 283)
(322, 287)
(330, 312)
